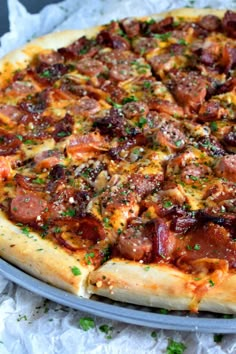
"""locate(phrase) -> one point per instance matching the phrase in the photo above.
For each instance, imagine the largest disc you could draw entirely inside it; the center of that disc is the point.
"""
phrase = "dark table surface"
(33, 6)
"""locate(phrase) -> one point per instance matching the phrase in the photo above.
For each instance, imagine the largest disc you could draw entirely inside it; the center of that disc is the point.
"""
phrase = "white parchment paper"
(30, 324)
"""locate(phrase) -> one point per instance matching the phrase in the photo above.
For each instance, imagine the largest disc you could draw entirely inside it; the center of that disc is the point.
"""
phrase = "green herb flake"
(70, 212)
(147, 84)
(218, 337)
(29, 142)
(167, 204)
(142, 121)
(76, 271)
(38, 180)
(175, 347)
(164, 311)
(129, 99)
(178, 143)
(88, 257)
(163, 36)
(86, 323)
(107, 330)
(154, 334)
(20, 137)
(196, 247)
(213, 126)
(211, 282)
(63, 134)
(146, 268)
(46, 74)
(25, 230)
(182, 41)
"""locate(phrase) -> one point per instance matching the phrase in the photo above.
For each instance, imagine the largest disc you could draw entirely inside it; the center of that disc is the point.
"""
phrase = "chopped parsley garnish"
(114, 104)
(164, 311)
(211, 282)
(106, 222)
(29, 142)
(218, 337)
(178, 143)
(146, 268)
(45, 73)
(196, 247)
(63, 134)
(167, 204)
(70, 212)
(163, 36)
(154, 334)
(147, 84)
(20, 137)
(142, 121)
(86, 323)
(182, 41)
(88, 257)
(75, 270)
(213, 126)
(25, 230)
(175, 347)
(129, 99)
(107, 330)
(38, 180)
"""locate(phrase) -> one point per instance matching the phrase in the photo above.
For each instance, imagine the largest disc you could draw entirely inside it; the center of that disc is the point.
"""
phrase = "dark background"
(32, 6)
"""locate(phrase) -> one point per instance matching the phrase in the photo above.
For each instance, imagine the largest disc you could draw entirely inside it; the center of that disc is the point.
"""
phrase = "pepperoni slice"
(190, 89)
(90, 67)
(47, 159)
(21, 88)
(85, 106)
(50, 57)
(131, 27)
(226, 167)
(135, 109)
(27, 207)
(193, 173)
(81, 146)
(210, 22)
(121, 72)
(9, 143)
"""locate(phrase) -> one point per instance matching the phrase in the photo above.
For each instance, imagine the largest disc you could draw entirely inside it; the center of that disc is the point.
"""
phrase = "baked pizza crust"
(157, 285)
(43, 259)
(163, 285)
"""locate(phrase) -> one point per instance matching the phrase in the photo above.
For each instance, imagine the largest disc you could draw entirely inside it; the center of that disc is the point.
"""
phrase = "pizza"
(118, 160)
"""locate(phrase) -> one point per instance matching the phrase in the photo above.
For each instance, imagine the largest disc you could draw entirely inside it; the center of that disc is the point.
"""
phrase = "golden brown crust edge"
(42, 259)
(160, 285)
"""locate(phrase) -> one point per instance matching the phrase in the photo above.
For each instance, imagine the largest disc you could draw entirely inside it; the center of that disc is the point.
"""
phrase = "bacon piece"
(137, 140)
(112, 40)
(5, 168)
(229, 23)
(81, 47)
(135, 109)
(226, 167)
(85, 106)
(63, 128)
(228, 60)
(227, 86)
(131, 27)
(50, 73)
(182, 221)
(163, 241)
(47, 159)
(208, 240)
(57, 172)
(9, 143)
(114, 124)
(84, 146)
(90, 67)
(189, 89)
(36, 103)
(210, 23)
(9, 114)
(50, 57)
(26, 207)
(27, 183)
(162, 26)
(220, 191)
